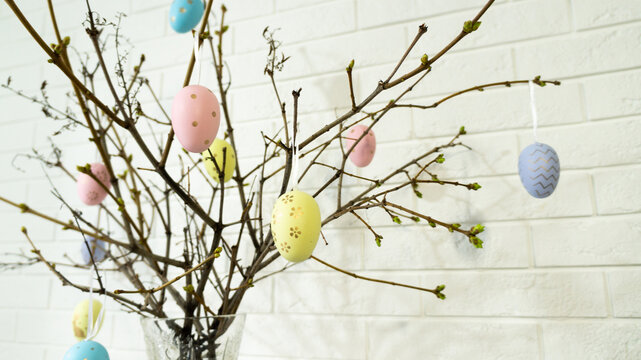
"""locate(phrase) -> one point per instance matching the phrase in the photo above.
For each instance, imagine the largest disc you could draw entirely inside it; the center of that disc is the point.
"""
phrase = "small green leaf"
(462, 131)
(418, 194)
(431, 223)
(416, 218)
(396, 219)
(424, 59)
(189, 288)
(478, 243)
(441, 296)
(440, 159)
(475, 186)
(477, 229)
(440, 288)
(378, 240)
(350, 66)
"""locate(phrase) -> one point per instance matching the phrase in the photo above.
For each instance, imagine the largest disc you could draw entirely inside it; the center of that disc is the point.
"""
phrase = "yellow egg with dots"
(80, 319)
(296, 224)
(217, 148)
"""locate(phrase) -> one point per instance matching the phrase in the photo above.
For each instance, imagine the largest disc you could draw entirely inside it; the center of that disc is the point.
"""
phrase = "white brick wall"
(558, 278)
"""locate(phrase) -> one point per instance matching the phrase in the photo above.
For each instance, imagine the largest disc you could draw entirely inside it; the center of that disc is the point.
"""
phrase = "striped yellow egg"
(295, 225)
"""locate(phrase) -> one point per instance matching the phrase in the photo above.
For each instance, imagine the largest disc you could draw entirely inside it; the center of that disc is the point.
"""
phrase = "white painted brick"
(582, 145)
(477, 67)
(341, 294)
(246, 9)
(540, 294)
(613, 95)
(591, 340)
(426, 248)
(298, 25)
(497, 109)
(8, 319)
(292, 4)
(594, 13)
(505, 199)
(44, 327)
(388, 339)
(534, 19)
(615, 190)
(376, 13)
(18, 350)
(587, 242)
(299, 336)
(581, 54)
(625, 291)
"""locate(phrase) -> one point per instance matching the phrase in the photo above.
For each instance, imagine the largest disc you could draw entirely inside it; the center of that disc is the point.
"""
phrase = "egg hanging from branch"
(296, 223)
(80, 320)
(218, 148)
(89, 190)
(87, 350)
(98, 250)
(539, 169)
(195, 117)
(363, 152)
(184, 15)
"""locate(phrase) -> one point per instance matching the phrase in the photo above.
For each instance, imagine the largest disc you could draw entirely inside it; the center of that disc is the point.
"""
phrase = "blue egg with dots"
(98, 250)
(184, 15)
(87, 350)
(539, 169)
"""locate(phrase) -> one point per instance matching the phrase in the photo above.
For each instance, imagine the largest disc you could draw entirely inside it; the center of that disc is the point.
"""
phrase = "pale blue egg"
(98, 249)
(185, 14)
(87, 350)
(539, 169)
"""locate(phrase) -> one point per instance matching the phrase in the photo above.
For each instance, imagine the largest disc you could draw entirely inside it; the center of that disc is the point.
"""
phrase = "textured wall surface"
(558, 278)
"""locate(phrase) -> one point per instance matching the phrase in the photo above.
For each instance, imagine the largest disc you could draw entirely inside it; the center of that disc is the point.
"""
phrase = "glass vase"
(211, 337)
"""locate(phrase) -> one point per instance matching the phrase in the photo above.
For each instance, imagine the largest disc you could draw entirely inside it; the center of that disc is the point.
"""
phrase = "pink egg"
(195, 117)
(363, 152)
(89, 190)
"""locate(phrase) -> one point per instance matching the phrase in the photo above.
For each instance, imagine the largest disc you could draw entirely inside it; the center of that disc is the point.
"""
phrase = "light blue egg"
(185, 14)
(87, 350)
(98, 248)
(539, 169)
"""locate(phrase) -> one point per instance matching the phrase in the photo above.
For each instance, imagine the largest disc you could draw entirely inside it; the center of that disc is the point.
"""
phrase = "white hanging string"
(92, 331)
(90, 310)
(535, 118)
(197, 56)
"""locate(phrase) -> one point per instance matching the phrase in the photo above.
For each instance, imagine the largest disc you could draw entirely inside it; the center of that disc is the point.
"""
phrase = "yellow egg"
(81, 317)
(217, 149)
(296, 224)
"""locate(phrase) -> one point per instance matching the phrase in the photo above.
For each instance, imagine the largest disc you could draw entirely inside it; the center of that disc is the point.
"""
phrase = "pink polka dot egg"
(89, 190)
(195, 117)
(363, 152)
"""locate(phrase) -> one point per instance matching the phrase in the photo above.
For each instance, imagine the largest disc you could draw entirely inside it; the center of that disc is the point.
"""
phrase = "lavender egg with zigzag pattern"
(539, 169)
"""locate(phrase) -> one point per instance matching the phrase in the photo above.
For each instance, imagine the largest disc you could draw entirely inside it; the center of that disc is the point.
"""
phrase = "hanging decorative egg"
(539, 169)
(80, 320)
(195, 117)
(98, 250)
(363, 152)
(89, 190)
(87, 350)
(184, 15)
(295, 225)
(217, 148)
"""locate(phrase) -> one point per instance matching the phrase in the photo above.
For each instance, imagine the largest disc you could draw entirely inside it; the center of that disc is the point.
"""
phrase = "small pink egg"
(363, 152)
(89, 190)
(195, 117)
